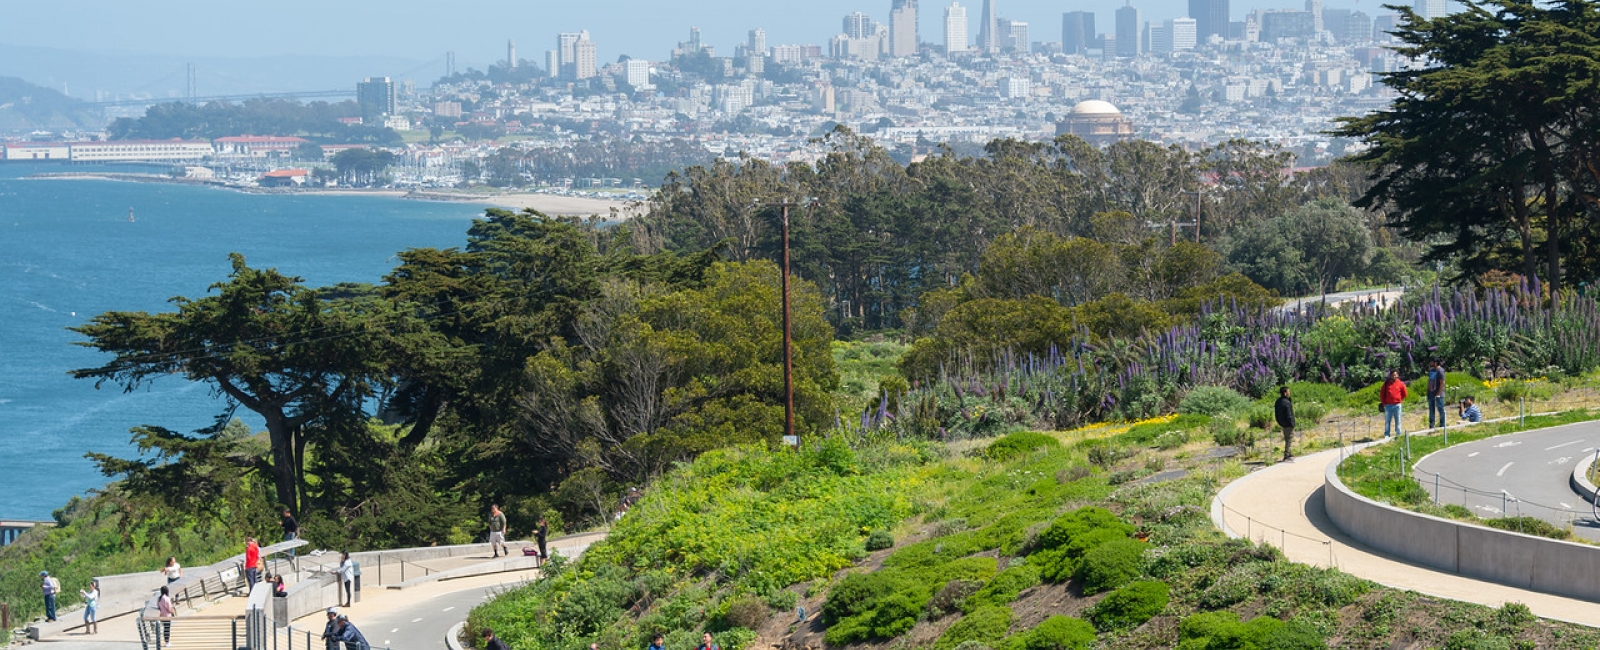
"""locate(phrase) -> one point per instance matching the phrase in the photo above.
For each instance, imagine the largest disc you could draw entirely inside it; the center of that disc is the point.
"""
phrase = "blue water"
(68, 252)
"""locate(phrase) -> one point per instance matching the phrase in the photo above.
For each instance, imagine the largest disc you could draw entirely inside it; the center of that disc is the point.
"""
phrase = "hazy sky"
(477, 30)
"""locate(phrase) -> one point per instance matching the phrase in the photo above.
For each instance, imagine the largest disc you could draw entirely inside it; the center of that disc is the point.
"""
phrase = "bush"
(984, 624)
(1260, 417)
(950, 597)
(879, 540)
(1227, 434)
(1213, 401)
(1055, 633)
(1172, 440)
(1511, 391)
(748, 612)
(1130, 606)
(1019, 443)
(1223, 631)
(878, 605)
(1307, 414)
(1075, 525)
(1104, 455)
(1110, 565)
(1529, 526)
(1004, 588)
(1146, 433)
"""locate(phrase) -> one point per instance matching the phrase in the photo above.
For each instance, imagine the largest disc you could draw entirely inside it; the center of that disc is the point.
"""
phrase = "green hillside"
(25, 107)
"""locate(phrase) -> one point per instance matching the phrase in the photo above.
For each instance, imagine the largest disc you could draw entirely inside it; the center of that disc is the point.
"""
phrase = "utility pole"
(191, 83)
(788, 334)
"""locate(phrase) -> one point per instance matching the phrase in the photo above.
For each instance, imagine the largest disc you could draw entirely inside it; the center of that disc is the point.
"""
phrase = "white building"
(1429, 9)
(1016, 87)
(638, 73)
(955, 28)
(140, 150)
(38, 151)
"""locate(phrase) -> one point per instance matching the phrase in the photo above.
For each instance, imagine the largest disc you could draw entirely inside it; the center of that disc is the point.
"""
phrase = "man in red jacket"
(1390, 395)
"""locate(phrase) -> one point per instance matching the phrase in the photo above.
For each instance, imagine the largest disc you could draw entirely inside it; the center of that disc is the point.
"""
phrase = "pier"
(11, 530)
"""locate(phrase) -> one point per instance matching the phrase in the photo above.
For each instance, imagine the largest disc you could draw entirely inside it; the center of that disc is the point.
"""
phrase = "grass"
(864, 367)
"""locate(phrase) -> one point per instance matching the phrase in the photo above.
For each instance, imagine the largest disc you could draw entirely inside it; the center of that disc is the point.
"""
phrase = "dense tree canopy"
(317, 121)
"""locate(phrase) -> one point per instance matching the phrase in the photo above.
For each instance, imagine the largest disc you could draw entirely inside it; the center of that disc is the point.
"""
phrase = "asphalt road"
(422, 626)
(1532, 469)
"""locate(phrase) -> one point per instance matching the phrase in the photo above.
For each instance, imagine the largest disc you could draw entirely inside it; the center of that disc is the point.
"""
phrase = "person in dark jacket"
(352, 638)
(1283, 412)
(540, 534)
(330, 634)
(492, 642)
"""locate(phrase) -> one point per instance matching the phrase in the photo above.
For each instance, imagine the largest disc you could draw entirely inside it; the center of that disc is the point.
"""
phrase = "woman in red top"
(1390, 395)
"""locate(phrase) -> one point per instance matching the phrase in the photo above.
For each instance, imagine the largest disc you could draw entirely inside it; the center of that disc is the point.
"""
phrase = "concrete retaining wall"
(1480, 552)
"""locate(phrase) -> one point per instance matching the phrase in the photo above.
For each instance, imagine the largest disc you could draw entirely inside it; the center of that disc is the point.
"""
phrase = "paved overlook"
(1523, 474)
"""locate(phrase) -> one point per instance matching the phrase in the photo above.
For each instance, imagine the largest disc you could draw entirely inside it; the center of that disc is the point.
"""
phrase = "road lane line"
(391, 632)
(1502, 472)
(1473, 454)
(1565, 505)
(416, 620)
(1563, 445)
(449, 608)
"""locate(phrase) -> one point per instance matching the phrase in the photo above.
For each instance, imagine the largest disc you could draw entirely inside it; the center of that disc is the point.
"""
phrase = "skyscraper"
(584, 59)
(955, 28)
(858, 25)
(1077, 32)
(1315, 8)
(1181, 34)
(757, 45)
(566, 49)
(988, 40)
(1013, 34)
(1128, 36)
(1429, 9)
(1210, 17)
(903, 28)
(376, 98)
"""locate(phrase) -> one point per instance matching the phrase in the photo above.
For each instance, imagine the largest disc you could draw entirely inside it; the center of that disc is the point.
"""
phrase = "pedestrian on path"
(539, 535)
(1283, 412)
(492, 642)
(347, 576)
(172, 570)
(50, 586)
(497, 531)
(707, 644)
(252, 562)
(291, 529)
(330, 633)
(352, 637)
(167, 611)
(1390, 395)
(1435, 392)
(1469, 410)
(657, 642)
(91, 607)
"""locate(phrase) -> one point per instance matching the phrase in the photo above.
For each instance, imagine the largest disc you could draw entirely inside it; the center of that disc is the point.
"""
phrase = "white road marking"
(386, 642)
(1559, 461)
(1509, 443)
(449, 608)
(1473, 454)
(1563, 444)
(391, 632)
(416, 620)
(1566, 505)
(1502, 472)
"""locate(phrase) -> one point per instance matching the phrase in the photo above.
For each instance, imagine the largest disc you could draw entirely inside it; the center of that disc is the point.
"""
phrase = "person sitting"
(278, 588)
(1469, 410)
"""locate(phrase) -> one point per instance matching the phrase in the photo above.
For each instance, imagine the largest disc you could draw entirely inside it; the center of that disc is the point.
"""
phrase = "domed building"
(1097, 122)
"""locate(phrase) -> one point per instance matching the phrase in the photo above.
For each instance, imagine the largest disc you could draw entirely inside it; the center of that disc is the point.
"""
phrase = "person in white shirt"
(347, 576)
(173, 570)
(91, 607)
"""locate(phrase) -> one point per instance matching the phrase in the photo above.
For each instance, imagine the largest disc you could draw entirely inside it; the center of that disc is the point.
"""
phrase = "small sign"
(792, 441)
(228, 575)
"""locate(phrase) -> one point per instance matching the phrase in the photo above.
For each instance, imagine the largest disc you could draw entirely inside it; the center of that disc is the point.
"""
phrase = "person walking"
(291, 529)
(167, 611)
(497, 531)
(1435, 392)
(330, 632)
(1469, 410)
(492, 642)
(172, 570)
(51, 587)
(1390, 395)
(91, 607)
(252, 562)
(707, 644)
(539, 535)
(347, 576)
(352, 637)
(1283, 412)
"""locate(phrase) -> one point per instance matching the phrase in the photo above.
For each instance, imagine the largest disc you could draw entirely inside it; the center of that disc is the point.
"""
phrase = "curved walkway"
(1522, 474)
(1282, 505)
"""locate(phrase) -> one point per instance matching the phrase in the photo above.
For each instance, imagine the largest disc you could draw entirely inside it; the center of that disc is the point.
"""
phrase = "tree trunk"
(281, 433)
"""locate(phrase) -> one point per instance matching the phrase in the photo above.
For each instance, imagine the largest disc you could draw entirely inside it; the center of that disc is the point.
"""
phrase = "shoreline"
(549, 204)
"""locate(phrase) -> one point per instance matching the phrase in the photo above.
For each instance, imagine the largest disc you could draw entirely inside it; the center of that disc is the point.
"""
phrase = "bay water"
(68, 252)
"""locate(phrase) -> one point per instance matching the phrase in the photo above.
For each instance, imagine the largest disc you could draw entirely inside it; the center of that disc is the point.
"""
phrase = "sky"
(477, 31)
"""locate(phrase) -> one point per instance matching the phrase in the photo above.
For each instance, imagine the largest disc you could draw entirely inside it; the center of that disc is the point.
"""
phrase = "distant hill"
(27, 107)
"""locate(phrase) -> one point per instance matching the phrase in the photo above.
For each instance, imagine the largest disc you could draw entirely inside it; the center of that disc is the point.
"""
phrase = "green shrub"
(1307, 414)
(1130, 606)
(1110, 565)
(1260, 417)
(1018, 444)
(878, 605)
(949, 598)
(1004, 588)
(1055, 633)
(1222, 631)
(1103, 454)
(985, 624)
(1172, 440)
(879, 540)
(1213, 401)
(783, 600)
(1227, 434)
(1059, 547)
(1511, 391)
(1529, 526)
(747, 612)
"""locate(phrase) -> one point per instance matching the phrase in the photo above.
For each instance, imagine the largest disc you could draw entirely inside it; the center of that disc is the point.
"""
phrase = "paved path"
(422, 626)
(1532, 468)
(1385, 297)
(1282, 505)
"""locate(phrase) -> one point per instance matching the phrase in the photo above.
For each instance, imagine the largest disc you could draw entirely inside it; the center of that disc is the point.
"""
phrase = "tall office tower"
(1156, 39)
(1181, 34)
(955, 28)
(1210, 17)
(1383, 27)
(1315, 7)
(1077, 32)
(858, 25)
(1429, 9)
(903, 28)
(583, 62)
(511, 54)
(1358, 27)
(757, 44)
(988, 40)
(376, 98)
(1128, 24)
(694, 39)
(566, 49)
(1016, 35)
(552, 63)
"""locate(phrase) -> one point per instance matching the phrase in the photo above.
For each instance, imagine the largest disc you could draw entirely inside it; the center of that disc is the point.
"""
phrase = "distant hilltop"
(27, 107)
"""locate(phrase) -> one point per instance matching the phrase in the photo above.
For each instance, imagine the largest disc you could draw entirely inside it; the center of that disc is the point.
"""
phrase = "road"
(1532, 468)
(421, 626)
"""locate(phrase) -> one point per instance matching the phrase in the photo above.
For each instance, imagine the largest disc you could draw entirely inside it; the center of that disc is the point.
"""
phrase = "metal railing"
(266, 636)
(1263, 533)
(197, 632)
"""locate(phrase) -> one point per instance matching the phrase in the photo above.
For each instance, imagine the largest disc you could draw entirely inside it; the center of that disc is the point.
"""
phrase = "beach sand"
(564, 205)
